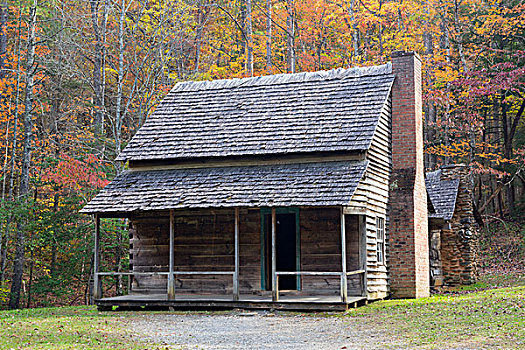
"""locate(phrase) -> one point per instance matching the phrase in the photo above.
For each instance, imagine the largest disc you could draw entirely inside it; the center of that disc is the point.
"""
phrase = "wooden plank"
(133, 273)
(356, 272)
(354, 211)
(236, 274)
(265, 160)
(171, 277)
(97, 283)
(344, 285)
(181, 273)
(308, 273)
(275, 291)
(316, 303)
(362, 254)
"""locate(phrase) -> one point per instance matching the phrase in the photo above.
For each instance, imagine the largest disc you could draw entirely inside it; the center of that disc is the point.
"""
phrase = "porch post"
(362, 253)
(344, 282)
(171, 276)
(97, 285)
(236, 272)
(275, 287)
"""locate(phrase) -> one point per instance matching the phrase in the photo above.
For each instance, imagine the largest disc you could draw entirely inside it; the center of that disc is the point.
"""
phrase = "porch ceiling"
(310, 184)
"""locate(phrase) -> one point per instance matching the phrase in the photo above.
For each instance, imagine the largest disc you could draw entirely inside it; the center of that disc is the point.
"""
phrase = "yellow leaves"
(446, 74)
(232, 69)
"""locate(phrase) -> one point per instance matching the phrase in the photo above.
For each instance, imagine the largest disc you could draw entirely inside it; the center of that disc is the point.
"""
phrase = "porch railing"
(232, 273)
(174, 273)
(97, 293)
(342, 275)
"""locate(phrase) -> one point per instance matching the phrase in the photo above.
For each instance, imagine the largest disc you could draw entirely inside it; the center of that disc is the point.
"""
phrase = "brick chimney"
(408, 231)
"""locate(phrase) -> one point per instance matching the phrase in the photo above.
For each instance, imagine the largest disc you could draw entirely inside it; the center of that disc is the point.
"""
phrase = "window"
(380, 240)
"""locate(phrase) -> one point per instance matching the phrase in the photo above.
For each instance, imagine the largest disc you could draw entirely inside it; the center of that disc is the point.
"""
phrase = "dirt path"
(258, 330)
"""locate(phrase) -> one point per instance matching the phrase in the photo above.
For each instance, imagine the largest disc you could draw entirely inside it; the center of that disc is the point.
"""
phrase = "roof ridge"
(288, 78)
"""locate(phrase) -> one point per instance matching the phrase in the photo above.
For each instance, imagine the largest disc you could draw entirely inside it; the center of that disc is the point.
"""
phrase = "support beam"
(236, 273)
(97, 283)
(275, 287)
(362, 254)
(344, 277)
(171, 276)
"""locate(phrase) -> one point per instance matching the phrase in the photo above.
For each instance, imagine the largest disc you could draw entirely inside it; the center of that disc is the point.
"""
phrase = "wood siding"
(371, 200)
(204, 241)
(321, 249)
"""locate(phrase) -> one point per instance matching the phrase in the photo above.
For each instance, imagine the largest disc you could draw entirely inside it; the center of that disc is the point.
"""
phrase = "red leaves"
(75, 174)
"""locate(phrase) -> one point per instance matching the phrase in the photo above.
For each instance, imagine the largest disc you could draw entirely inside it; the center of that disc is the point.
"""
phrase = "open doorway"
(287, 248)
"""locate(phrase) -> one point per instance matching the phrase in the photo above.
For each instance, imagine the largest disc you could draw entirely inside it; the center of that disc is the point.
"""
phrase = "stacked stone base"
(454, 245)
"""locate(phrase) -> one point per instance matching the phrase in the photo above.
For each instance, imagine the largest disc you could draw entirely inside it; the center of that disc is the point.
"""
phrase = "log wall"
(321, 249)
(204, 241)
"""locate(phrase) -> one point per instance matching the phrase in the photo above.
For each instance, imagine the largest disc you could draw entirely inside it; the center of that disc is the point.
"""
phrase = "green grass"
(483, 315)
(488, 314)
(66, 328)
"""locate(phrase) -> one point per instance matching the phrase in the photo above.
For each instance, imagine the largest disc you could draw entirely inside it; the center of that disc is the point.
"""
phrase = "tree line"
(79, 77)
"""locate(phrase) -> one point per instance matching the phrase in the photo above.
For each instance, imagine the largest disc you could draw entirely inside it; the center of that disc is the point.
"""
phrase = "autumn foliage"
(76, 90)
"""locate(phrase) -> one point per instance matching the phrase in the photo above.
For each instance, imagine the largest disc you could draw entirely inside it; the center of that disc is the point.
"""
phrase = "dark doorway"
(286, 248)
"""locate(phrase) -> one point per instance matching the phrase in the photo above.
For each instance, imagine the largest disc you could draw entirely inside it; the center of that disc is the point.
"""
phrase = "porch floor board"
(198, 301)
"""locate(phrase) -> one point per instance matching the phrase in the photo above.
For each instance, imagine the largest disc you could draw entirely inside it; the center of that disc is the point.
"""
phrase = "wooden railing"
(97, 293)
(232, 273)
(171, 293)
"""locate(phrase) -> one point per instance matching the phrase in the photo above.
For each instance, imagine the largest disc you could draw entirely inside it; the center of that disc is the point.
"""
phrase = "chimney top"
(396, 54)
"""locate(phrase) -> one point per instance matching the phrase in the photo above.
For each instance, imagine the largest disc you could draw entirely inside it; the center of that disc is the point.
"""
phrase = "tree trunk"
(120, 80)
(445, 44)
(3, 37)
(98, 62)
(53, 266)
(269, 36)
(507, 152)
(459, 40)
(242, 42)
(430, 108)
(30, 284)
(355, 31)
(249, 35)
(198, 38)
(18, 265)
(8, 176)
(290, 35)
(3, 53)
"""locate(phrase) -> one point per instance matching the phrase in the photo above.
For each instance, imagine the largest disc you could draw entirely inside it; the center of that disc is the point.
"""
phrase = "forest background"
(79, 77)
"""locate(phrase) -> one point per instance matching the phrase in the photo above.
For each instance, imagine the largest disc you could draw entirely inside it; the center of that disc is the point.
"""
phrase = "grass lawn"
(488, 314)
(66, 328)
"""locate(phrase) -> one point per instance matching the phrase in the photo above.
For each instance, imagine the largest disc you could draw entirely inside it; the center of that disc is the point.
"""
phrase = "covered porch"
(295, 258)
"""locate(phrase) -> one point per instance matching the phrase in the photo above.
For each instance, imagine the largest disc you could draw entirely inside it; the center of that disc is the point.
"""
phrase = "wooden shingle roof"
(442, 194)
(308, 184)
(335, 110)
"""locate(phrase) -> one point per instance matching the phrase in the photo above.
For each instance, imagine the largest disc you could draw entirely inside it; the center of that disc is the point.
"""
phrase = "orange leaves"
(76, 174)
(489, 160)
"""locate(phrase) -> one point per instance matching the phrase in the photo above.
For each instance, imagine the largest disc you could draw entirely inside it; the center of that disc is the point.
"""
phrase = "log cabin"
(293, 191)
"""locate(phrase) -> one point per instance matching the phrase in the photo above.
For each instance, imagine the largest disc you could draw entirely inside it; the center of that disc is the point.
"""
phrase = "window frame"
(380, 240)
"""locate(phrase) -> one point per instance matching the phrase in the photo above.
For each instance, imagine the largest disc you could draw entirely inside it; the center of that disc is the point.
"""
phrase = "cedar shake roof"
(335, 110)
(308, 184)
(442, 194)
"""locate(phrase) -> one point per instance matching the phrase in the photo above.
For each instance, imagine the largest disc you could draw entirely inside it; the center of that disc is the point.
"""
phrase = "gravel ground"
(257, 330)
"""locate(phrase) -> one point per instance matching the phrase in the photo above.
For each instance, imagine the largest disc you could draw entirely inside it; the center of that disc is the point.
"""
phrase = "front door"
(286, 249)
